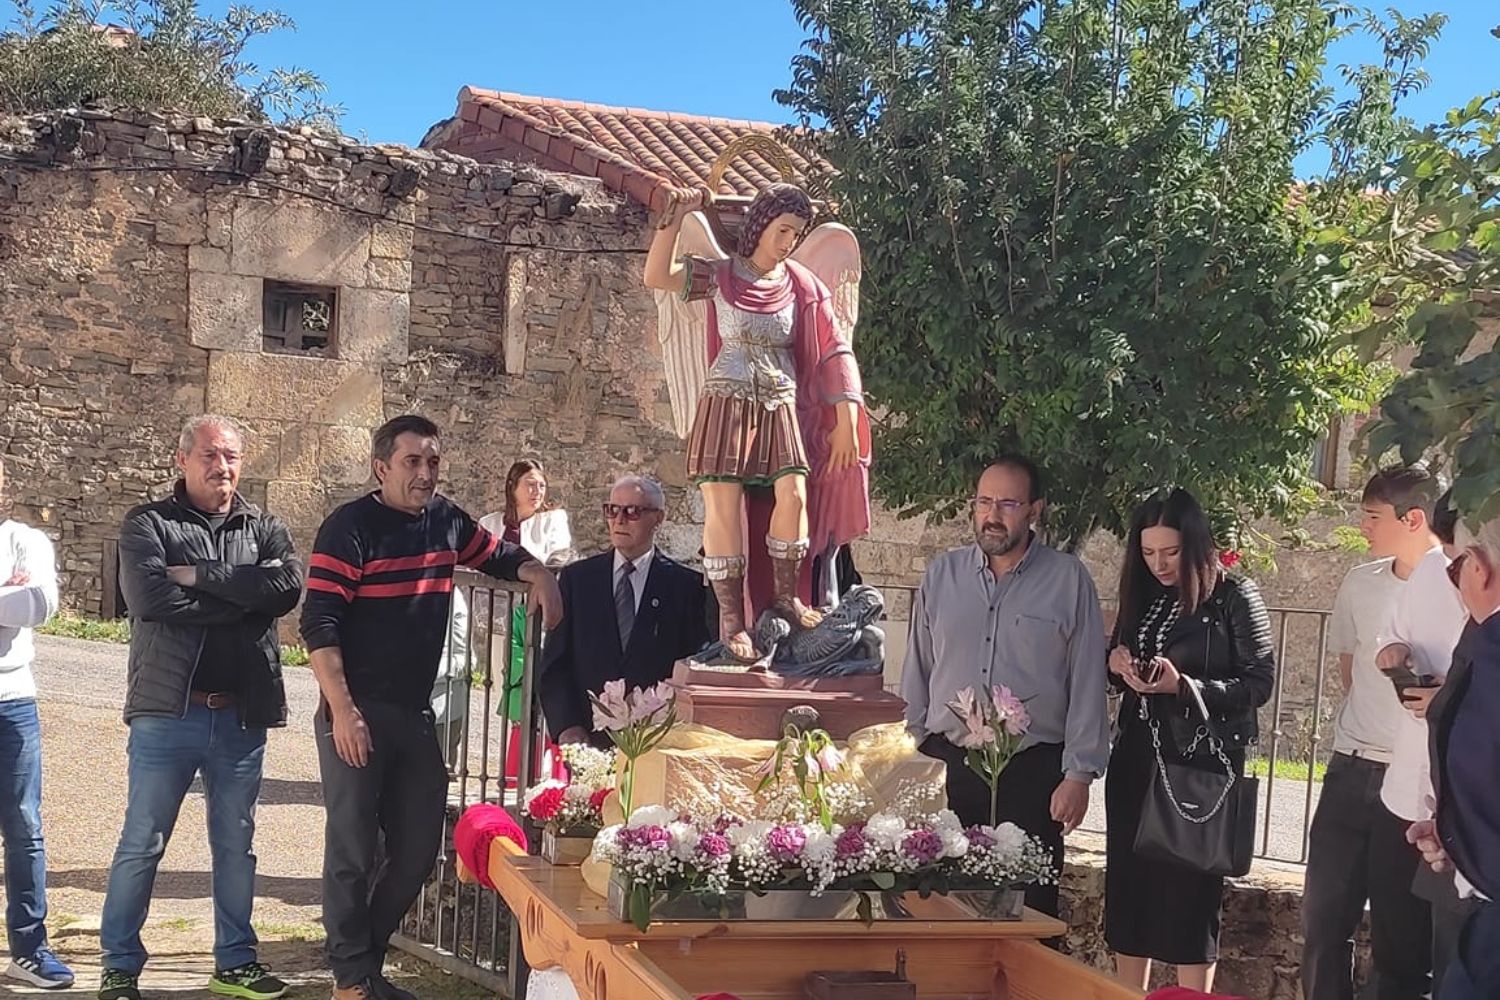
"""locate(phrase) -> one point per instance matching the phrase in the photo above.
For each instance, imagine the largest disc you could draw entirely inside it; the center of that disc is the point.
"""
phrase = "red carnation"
(545, 806)
(1229, 558)
(596, 801)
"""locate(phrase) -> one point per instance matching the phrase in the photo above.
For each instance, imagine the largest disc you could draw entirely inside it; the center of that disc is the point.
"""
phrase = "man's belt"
(212, 699)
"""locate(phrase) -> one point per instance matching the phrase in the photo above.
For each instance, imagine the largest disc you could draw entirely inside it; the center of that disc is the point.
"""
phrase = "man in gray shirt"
(1010, 611)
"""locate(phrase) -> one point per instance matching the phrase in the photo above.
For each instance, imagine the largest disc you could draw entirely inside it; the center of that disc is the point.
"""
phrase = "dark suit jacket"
(1465, 745)
(584, 652)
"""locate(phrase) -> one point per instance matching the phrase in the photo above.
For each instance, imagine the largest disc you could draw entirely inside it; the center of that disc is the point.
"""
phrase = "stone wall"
(133, 251)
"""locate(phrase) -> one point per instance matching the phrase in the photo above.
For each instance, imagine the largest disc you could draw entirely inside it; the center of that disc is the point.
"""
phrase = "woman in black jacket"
(1182, 621)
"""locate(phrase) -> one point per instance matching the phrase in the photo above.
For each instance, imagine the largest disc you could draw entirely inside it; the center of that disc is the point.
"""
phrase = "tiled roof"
(632, 150)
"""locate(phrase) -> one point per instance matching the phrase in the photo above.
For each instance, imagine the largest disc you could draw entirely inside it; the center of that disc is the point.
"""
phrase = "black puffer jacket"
(1224, 648)
(248, 576)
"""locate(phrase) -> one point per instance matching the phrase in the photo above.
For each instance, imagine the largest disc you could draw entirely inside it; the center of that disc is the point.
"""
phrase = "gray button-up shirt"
(1037, 630)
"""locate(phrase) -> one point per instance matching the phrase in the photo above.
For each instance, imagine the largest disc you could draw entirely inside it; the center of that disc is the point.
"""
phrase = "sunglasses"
(629, 511)
(1456, 568)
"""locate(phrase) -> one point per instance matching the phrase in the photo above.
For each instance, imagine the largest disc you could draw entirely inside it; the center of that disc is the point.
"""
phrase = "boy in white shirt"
(1357, 847)
(1425, 627)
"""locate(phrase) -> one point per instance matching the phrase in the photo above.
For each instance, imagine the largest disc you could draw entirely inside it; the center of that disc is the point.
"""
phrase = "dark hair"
(1020, 463)
(1444, 517)
(383, 441)
(1404, 487)
(1177, 509)
(778, 199)
(518, 471)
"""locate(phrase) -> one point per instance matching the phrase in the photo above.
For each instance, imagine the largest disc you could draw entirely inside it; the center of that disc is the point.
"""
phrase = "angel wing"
(683, 327)
(831, 251)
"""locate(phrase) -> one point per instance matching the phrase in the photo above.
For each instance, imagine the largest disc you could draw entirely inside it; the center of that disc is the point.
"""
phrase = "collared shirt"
(1036, 630)
(642, 566)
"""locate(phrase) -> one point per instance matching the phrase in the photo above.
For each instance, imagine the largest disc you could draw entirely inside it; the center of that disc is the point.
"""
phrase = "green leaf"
(884, 881)
(640, 905)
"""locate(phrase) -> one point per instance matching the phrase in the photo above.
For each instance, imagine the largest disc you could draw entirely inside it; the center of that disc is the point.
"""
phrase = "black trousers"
(394, 803)
(1025, 799)
(1357, 851)
(1449, 914)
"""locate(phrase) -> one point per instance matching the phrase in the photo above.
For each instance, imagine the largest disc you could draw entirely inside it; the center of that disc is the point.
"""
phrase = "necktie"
(625, 604)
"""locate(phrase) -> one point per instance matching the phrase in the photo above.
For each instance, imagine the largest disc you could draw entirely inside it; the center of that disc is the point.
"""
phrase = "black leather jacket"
(1223, 648)
(248, 576)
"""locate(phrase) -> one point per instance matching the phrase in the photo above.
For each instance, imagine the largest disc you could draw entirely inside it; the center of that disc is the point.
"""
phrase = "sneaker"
(387, 990)
(116, 984)
(251, 981)
(41, 968)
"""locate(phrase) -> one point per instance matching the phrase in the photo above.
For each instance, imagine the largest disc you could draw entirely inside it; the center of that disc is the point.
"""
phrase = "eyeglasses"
(630, 511)
(1456, 568)
(987, 504)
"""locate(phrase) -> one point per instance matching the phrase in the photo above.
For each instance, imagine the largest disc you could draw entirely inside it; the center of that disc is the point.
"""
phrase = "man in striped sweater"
(378, 590)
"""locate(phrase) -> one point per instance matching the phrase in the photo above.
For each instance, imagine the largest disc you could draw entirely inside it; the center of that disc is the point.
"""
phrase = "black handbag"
(1197, 818)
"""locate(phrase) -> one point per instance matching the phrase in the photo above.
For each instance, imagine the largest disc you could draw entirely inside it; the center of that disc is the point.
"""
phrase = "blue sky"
(397, 66)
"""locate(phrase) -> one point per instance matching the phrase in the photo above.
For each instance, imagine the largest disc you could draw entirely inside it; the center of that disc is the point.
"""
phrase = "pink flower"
(922, 846)
(647, 703)
(786, 842)
(850, 843)
(1010, 711)
(713, 845)
(649, 838)
(978, 837)
(611, 710)
(767, 767)
(1229, 558)
(596, 801)
(814, 769)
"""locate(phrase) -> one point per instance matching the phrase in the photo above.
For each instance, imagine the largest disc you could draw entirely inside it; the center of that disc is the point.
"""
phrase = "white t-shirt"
(1429, 617)
(1371, 713)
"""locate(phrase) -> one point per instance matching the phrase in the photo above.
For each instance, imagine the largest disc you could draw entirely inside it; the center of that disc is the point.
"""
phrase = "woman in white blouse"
(543, 531)
(528, 520)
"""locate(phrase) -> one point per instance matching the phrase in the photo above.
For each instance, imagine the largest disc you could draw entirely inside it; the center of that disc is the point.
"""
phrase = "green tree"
(1420, 267)
(1074, 216)
(154, 55)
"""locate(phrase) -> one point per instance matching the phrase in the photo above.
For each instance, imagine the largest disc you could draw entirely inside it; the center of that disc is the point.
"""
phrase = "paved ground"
(83, 801)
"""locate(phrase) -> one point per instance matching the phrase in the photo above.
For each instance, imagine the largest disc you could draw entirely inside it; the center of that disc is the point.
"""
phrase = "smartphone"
(1148, 670)
(1404, 677)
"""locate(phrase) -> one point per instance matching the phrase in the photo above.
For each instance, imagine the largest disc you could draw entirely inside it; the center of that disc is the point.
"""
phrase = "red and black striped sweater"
(379, 586)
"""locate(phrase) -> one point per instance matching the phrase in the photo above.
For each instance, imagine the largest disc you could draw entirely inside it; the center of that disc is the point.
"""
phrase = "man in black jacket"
(629, 613)
(205, 575)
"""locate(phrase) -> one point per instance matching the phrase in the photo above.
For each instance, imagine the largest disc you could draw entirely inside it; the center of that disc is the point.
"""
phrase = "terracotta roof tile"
(632, 150)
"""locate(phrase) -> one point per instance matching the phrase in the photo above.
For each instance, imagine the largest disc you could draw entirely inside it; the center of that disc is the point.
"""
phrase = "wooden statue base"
(750, 703)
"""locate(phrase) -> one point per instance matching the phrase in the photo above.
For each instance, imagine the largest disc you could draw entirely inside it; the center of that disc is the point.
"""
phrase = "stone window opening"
(300, 319)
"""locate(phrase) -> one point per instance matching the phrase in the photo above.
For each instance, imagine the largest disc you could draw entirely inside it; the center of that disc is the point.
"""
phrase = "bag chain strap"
(1214, 745)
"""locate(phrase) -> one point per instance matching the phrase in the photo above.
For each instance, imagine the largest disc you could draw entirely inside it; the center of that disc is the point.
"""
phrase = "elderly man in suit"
(631, 613)
(1465, 745)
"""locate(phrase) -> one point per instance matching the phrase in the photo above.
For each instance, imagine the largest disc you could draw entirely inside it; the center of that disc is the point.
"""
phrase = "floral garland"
(659, 850)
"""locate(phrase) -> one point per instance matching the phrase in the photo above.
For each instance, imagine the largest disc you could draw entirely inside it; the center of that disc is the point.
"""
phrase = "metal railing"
(1292, 725)
(490, 732)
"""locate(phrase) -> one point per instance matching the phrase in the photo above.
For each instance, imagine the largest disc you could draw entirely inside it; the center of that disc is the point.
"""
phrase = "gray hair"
(189, 435)
(1486, 539)
(650, 489)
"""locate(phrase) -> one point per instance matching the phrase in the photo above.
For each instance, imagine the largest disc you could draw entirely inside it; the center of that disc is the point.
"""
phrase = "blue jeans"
(21, 826)
(164, 755)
